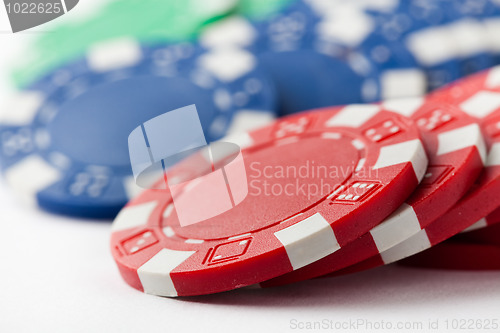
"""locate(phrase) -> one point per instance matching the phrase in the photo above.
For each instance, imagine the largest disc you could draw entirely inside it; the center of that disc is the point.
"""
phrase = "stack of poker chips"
(359, 145)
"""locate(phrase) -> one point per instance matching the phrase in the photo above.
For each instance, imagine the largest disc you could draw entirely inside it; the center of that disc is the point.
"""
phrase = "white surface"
(57, 275)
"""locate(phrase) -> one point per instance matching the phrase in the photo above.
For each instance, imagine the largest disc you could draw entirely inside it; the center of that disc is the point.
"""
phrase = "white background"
(57, 275)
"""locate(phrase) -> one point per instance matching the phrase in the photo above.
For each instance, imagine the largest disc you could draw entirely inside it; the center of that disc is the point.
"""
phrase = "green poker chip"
(261, 9)
(145, 20)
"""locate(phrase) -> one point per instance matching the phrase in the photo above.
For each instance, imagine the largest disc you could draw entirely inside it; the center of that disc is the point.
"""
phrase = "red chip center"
(284, 180)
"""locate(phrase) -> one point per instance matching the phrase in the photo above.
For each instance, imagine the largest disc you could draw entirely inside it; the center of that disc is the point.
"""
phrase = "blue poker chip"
(419, 29)
(309, 71)
(481, 33)
(444, 37)
(437, 35)
(64, 144)
(400, 74)
(490, 17)
(322, 53)
(358, 26)
(468, 31)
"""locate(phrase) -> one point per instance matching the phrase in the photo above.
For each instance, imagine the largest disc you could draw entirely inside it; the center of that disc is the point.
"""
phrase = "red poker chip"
(489, 235)
(493, 218)
(379, 160)
(456, 151)
(456, 255)
(479, 96)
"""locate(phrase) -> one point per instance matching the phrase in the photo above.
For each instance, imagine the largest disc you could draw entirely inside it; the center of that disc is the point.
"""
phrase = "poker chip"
(492, 219)
(432, 40)
(297, 35)
(358, 26)
(374, 51)
(486, 235)
(487, 13)
(448, 39)
(469, 35)
(457, 256)
(261, 9)
(420, 28)
(478, 96)
(158, 21)
(64, 141)
(375, 160)
(456, 151)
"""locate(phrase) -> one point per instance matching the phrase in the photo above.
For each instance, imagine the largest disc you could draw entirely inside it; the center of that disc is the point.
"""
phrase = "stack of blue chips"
(65, 147)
